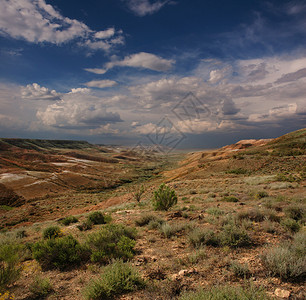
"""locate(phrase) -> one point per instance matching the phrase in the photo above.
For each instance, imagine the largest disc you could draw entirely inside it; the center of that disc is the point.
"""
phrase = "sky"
(182, 74)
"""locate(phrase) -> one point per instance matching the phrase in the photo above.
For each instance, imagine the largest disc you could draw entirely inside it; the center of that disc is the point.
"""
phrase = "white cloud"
(219, 74)
(101, 83)
(79, 90)
(36, 92)
(77, 112)
(145, 7)
(96, 70)
(38, 22)
(139, 60)
(105, 34)
(143, 60)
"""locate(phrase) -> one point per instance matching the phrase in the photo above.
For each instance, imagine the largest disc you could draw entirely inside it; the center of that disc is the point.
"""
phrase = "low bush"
(170, 230)
(96, 217)
(234, 236)
(10, 255)
(52, 232)
(249, 292)
(86, 225)
(240, 270)
(40, 288)
(116, 279)
(61, 253)
(164, 198)
(291, 225)
(200, 237)
(69, 220)
(230, 199)
(237, 171)
(252, 214)
(261, 194)
(295, 211)
(288, 260)
(145, 219)
(215, 211)
(112, 241)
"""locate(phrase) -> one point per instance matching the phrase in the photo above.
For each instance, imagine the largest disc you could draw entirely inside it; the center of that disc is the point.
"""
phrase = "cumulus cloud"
(37, 22)
(144, 7)
(219, 74)
(73, 113)
(36, 92)
(101, 83)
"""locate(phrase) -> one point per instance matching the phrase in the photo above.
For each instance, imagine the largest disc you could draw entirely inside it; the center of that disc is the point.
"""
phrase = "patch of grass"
(6, 207)
(69, 220)
(112, 241)
(288, 260)
(249, 292)
(116, 279)
(164, 198)
(60, 253)
(197, 256)
(40, 288)
(52, 232)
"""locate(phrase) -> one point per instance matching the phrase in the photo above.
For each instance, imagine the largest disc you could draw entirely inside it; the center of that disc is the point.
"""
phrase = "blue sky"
(191, 73)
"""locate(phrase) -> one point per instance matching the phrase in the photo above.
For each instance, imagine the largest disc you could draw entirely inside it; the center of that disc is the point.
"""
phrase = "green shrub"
(262, 194)
(252, 214)
(296, 212)
(240, 270)
(291, 225)
(40, 288)
(86, 225)
(237, 171)
(164, 198)
(96, 217)
(69, 220)
(145, 219)
(215, 211)
(116, 279)
(10, 255)
(112, 241)
(288, 260)
(52, 232)
(230, 199)
(234, 236)
(155, 224)
(170, 230)
(137, 192)
(200, 237)
(60, 253)
(227, 292)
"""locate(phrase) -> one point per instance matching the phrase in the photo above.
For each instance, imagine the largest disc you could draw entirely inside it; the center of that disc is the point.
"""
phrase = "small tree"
(138, 192)
(164, 198)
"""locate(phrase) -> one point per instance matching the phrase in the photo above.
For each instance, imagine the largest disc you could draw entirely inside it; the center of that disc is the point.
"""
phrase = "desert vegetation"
(216, 225)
